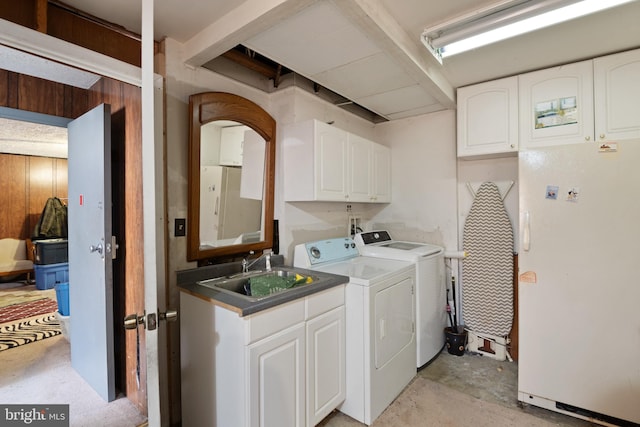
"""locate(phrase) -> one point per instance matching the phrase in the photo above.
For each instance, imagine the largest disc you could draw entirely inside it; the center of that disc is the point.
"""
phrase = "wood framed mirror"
(231, 176)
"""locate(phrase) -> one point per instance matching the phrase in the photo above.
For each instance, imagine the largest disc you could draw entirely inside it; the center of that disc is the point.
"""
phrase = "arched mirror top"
(231, 140)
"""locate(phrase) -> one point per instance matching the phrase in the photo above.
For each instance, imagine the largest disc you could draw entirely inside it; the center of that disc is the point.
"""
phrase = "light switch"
(180, 227)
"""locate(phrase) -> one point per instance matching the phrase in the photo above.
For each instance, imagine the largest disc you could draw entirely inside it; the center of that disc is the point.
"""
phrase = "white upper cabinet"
(324, 163)
(360, 169)
(231, 144)
(488, 118)
(556, 105)
(329, 163)
(381, 164)
(617, 96)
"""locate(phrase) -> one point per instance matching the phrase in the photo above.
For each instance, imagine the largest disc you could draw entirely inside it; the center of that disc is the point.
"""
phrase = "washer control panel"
(321, 251)
(372, 237)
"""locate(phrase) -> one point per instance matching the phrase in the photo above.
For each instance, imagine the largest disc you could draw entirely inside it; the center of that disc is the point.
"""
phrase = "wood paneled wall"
(67, 23)
(41, 96)
(27, 183)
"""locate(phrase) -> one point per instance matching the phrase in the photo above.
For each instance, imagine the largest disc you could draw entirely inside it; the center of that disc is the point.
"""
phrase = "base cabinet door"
(276, 368)
(326, 385)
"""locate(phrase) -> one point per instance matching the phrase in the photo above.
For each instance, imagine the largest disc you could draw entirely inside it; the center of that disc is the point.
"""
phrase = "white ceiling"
(369, 50)
(22, 137)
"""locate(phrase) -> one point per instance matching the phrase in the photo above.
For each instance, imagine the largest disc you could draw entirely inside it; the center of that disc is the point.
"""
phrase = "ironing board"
(487, 271)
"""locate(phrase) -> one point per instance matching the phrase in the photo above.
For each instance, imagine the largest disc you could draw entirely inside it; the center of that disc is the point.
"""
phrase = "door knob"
(133, 320)
(169, 315)
(149, 321)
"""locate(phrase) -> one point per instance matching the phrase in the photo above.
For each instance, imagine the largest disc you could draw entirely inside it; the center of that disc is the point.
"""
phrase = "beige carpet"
(41, 373)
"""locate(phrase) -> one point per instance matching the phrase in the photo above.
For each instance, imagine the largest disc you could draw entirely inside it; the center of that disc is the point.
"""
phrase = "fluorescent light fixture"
(504, 20)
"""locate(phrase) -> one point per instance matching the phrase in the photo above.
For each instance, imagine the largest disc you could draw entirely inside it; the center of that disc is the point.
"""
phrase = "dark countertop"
(187, 281)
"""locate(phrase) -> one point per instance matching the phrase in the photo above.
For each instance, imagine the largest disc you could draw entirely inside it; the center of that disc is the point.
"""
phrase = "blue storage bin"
(62, 295)
(48, 275)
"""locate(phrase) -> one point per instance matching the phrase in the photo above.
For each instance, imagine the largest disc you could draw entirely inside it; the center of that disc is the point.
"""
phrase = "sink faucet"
(246, 265)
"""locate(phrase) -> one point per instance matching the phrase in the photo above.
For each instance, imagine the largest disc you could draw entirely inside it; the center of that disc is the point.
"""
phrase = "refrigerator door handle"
(526, 233)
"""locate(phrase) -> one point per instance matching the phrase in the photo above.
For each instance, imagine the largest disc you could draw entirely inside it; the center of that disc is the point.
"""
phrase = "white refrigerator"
(579, 283)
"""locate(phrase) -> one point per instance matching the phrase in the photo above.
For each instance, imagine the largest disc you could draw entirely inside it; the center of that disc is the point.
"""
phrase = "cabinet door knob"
(602, 136)
(587, 138)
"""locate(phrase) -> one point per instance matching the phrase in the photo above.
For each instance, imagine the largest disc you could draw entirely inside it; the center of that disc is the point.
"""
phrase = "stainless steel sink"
(239, 284)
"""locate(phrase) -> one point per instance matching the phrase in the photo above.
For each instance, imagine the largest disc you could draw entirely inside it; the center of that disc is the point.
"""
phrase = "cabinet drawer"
(276, 319)
(322, 302)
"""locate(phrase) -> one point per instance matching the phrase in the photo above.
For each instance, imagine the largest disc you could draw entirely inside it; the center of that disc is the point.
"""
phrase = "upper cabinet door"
(381, 165)
(617, 96)
(331, 156)
(231, 144)
(556, 105)
(360, 173)
(324, 163)
(488, 118)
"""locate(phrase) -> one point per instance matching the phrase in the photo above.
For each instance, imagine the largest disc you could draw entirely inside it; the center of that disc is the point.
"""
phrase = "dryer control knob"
(315, 252)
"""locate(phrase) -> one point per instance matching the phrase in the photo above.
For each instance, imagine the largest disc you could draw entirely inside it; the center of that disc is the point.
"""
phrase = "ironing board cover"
(487, 270)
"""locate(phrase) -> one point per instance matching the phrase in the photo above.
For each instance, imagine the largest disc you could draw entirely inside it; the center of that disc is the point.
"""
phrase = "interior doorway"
(38, 147)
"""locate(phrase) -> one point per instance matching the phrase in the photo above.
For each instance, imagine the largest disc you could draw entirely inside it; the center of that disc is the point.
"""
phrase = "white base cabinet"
(276, 368)
(325, 163)
(281, 367)
(326, 359)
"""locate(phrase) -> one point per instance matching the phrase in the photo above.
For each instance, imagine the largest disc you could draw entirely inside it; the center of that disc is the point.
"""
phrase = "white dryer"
(431, 294)
(380, 322)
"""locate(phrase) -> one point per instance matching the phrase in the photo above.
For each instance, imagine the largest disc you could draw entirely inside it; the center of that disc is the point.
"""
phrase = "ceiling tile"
(317, 39)
(368, 76)
(399, 100)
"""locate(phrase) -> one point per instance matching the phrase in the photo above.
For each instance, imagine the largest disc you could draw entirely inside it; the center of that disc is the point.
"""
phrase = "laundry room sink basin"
(258, 285)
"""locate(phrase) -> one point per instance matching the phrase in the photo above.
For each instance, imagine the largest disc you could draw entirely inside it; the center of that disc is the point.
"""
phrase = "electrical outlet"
(353, 225)
(180, 227)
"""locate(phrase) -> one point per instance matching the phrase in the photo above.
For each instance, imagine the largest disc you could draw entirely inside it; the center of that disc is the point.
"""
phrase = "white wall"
(502, 171)
(423, 174)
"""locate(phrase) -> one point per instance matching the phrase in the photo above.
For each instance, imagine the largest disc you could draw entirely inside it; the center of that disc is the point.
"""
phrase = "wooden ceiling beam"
(250, 63)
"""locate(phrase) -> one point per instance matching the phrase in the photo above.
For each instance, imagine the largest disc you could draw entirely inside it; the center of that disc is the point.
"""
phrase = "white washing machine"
(380, 323)
(431, 294)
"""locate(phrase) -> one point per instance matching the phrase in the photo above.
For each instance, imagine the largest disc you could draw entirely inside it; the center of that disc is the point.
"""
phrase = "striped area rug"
(29, 330)
(27, 309)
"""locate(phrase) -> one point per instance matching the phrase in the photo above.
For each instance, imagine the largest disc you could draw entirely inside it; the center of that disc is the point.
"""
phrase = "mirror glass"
(231, 184)
(231, 161)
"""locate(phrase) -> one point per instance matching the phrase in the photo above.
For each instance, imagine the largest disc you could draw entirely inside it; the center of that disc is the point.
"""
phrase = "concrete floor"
(480, 377)
(489, 380)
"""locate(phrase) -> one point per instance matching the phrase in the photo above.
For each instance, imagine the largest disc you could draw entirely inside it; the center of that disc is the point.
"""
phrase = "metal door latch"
(133, 320)
(149, 321)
